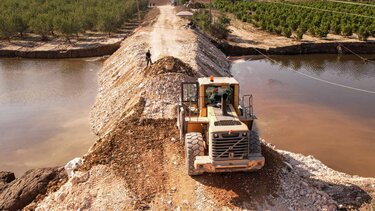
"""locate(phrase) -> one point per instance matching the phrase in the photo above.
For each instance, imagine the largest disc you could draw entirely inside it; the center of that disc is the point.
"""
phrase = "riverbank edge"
(298, 49)
(227, 48)
(92, 51)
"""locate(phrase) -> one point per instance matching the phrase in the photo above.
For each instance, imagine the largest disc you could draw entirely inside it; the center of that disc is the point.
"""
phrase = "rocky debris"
(347, 192)
(285, 184)
(136, 154)
(22, 191)
(96, 189)
(72, 165)
(244, 189)
(209, 59)
(5, 178)
(299, 194)
(161, 102)
(169, 64)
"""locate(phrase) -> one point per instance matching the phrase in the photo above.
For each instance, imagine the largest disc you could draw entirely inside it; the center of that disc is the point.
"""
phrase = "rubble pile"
(136, 154)
(343, 190)
(169, 64)
(32, 186)
(96, 189)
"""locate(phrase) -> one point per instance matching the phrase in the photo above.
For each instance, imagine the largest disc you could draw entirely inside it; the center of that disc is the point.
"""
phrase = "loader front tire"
(181, 124)
(255, 145)
(194, 146)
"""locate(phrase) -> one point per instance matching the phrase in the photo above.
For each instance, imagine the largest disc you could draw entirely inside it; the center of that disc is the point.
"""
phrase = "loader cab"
(208, 91)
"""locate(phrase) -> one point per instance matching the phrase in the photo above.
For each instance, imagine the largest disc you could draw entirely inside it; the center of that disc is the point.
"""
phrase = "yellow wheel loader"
(216, 129)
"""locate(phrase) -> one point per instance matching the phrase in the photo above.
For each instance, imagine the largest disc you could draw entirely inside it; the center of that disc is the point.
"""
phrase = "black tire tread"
(255, 145)
(194, 146)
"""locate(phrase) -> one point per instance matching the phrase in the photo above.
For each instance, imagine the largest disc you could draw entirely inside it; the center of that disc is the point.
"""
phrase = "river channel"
(319, 105)
(44, 111)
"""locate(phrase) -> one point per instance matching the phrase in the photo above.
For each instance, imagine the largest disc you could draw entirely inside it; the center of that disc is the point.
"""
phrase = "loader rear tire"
(194, 146)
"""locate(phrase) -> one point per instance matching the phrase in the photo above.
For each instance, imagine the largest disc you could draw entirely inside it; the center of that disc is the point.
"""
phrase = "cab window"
(213, 94)
(189, 92)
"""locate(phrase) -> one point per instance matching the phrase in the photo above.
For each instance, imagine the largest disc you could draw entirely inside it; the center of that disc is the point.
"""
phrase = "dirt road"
(167, 35)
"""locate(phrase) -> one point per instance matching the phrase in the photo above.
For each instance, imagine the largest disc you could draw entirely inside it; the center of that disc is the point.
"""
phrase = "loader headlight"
(216, 135)
(244, 134)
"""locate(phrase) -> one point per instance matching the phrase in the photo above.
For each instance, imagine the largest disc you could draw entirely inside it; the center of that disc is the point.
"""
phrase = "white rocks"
(72, 165)
(97, 189)
(80, 177)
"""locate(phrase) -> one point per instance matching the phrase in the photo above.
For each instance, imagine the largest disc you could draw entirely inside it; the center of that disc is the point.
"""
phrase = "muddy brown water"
(44, 107)
(330, 119)
(44, 111)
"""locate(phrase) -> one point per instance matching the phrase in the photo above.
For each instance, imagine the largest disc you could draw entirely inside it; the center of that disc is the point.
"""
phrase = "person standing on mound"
(148, 58)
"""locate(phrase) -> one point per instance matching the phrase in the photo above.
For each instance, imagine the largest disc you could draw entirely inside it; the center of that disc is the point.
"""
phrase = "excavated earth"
(138, 161)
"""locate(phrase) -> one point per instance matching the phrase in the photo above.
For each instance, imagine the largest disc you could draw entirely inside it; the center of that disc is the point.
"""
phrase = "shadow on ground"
(243, 189)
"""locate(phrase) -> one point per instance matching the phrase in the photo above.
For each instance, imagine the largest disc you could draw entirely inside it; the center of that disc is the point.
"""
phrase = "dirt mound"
(169, 64)
(139, 150)
(135, 152)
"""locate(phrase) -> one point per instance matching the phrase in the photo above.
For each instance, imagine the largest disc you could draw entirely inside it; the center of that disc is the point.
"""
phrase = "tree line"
(318, 18)
(64, 17)
(216, 27)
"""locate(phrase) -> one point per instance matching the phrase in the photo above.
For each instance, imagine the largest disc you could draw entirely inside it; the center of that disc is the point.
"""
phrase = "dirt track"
(140, 152)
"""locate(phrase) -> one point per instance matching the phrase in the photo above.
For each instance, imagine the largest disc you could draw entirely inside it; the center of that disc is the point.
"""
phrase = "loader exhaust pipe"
(224, 104)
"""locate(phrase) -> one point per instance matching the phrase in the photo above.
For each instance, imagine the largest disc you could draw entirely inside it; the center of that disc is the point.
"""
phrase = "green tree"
(294, 24)
(363, 33)
(347, 30)
(287, 32)
(20, 23)
(88, 19)
(219, 28)
(201, 19)
(42, 24)
(7, 27)
(304, 27)
(107, 22)
(312, 30)
(67, 26)
(336, 29)
(322, 31)
(299, 34)
(278, 30)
